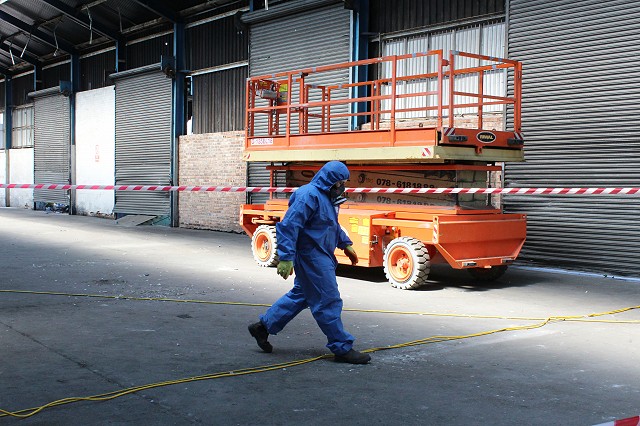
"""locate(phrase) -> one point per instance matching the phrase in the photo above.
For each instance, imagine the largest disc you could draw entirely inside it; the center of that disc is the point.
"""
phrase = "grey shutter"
(143, 142)
(311, 38)
(51, 144)
(580, 124)
(258, 176)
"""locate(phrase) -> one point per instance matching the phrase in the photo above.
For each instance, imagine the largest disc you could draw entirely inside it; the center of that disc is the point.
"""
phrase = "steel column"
(360, 23)
(8, 84)
(179, 123)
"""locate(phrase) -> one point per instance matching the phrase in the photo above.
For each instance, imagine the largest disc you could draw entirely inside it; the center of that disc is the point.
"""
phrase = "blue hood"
(329, 174)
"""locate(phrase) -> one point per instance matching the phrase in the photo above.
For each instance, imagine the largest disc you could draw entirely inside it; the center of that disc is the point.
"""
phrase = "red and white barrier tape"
(632, 421)
(158, 188)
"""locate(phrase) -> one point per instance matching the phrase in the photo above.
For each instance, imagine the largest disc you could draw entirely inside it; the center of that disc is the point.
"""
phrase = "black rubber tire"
(408, 251)
(264, 246)
(486, 275)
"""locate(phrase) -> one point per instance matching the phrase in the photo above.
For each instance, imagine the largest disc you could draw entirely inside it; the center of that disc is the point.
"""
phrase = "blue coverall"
(308, 235)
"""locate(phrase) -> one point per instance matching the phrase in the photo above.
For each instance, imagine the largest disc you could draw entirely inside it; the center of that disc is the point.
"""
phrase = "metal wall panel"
(51, 77)
(284, 8)
(311, 38)
(20, 89)
(326, 41)
(258, 175)
(485, 38)
(399, 15)
(95, 70)
(218, 100)
(148, 52)
(51, 146)
(580, 89)
(216, 43)
(143, 142)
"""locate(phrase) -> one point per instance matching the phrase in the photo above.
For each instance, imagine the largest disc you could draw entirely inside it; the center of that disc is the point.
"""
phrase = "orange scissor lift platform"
(403, 239)
(288, 118)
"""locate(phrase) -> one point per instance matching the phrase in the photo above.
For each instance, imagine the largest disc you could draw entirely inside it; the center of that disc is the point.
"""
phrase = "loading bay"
(107, 324)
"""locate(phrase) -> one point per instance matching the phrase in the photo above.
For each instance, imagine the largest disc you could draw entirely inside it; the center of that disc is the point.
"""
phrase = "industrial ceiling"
(39, 32)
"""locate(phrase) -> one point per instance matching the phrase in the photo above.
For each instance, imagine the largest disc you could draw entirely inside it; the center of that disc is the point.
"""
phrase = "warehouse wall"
(579, 119)
(95, 150)
(400, 15)
(52, 76)
(21, 171)
(3, 176)
(95, 70)
(207, 160)
(218, 94)
(21, 88)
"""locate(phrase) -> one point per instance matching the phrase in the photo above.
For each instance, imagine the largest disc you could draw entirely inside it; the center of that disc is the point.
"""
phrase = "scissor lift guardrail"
(279, 128)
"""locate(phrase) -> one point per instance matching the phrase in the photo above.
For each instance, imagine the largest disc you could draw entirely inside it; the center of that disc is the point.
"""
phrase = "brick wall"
(211, 159)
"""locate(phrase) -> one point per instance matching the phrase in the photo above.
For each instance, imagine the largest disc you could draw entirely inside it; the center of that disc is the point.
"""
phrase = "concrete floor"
(58, 346)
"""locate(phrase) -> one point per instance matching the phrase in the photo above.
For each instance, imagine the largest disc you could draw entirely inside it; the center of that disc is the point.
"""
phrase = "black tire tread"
(423, 263)
(273, 259)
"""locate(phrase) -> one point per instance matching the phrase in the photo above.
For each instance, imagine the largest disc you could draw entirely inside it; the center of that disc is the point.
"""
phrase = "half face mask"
(335, 193)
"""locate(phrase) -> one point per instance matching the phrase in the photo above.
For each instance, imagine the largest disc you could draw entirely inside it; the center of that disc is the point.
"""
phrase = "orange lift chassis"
(433, 127)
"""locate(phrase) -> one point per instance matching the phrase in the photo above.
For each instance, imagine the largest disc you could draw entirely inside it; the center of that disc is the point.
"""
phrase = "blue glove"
(285, 268)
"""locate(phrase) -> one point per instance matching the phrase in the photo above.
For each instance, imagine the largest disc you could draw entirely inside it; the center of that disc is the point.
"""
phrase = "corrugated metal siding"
(51, 146)
(486, 39)
(51, 77)
(95, 70)
(216, 43)
(283, 8)
(579, 114)
(398, 15)
(148, 52)
(218, 101)
(258, 175)
(143, 142)
(313, 38)
(21, 87)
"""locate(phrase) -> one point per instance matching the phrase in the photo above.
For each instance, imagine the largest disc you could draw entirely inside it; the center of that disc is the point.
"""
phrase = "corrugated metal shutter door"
(51, 146)
(313, 38)
(258, 176)
(143, 142)
(580, 121)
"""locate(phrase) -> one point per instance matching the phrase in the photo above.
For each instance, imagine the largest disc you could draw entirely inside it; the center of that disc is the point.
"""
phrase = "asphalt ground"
(187, 359)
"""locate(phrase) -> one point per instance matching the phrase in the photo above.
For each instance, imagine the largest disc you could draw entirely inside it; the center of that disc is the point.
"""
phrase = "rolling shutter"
(580, 88)
(51, 144)
(297, 39)
(143, 141)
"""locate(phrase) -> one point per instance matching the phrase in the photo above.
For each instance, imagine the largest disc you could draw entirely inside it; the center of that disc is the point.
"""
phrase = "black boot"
(353, 357)
(259, 331)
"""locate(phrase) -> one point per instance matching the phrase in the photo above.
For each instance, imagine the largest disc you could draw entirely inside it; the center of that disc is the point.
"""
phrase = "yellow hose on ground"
(28, 412)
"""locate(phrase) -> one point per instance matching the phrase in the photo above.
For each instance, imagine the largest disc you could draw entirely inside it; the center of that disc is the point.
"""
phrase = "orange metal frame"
(462, 238)
(276, 91)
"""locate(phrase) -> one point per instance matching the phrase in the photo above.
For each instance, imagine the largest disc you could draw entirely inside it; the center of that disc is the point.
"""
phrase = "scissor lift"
(404, 239)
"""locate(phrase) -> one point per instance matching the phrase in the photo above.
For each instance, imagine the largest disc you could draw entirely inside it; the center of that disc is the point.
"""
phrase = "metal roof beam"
(158, 9)
(37, 33)
(79, 18)
(5, 72)
(27, 57)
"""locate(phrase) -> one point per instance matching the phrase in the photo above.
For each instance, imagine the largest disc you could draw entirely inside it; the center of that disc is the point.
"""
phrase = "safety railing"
(423, 85)
(483, 99)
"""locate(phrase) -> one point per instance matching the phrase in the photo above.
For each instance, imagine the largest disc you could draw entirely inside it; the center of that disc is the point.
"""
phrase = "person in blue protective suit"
(307, 237)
